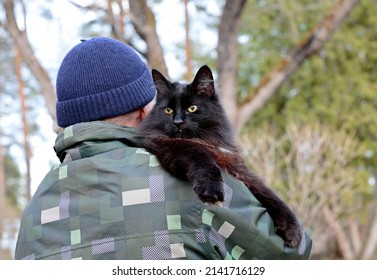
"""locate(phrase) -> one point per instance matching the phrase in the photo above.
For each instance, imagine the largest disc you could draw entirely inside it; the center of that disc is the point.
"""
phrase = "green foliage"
(13, 182)
(336, 86)
(11, 133)
(269, 29)
(7, 77)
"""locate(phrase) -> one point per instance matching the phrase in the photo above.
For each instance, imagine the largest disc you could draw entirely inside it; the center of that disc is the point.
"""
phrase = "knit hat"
(101, 78)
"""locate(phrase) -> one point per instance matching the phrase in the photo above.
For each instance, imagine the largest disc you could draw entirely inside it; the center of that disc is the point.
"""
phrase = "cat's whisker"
(201, 133)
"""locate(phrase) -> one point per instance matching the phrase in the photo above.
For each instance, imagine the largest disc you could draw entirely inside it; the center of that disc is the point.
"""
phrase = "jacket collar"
(90, 138)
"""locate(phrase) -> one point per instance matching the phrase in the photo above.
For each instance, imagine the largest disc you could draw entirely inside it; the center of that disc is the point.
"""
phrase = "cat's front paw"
(209, 191)
(291, 232)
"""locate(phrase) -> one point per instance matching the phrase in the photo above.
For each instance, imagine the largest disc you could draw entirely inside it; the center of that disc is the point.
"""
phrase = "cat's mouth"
(179, 133)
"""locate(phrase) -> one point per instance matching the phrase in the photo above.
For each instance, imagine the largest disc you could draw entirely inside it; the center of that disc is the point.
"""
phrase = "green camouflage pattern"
(110, 199)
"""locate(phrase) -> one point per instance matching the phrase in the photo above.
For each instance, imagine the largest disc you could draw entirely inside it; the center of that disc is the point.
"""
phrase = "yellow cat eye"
(192, 109)
(168, 111)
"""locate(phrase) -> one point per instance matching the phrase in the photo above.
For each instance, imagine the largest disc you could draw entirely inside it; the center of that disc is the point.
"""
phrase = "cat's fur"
(189, 133)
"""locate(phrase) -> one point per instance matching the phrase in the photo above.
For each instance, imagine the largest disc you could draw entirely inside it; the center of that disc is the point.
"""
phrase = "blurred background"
(296, 77)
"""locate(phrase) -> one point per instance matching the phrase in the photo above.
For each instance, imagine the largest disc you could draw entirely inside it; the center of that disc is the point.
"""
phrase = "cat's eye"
(168, 111)
(192, 109)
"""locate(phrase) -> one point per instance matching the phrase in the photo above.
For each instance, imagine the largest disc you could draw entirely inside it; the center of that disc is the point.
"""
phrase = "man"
(110, 199)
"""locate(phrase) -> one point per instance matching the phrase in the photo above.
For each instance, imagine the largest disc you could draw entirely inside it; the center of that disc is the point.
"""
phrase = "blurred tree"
(126, 25)
(143, 22)
(2, 184)
(293, 58)
(335, 87)
(17, 120)
(188, 45)
(7, 97)
(227, 58)
(13, 183)
(311, 167)
(25, 125)
(11, 192)
(21, 41)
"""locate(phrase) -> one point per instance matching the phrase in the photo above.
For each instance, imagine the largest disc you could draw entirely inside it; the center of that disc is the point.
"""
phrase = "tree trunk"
(371, 244)
(340, 236)
(356, 239)
(121, 17)
(145, 25)
(114, 24)
(2, 183)
(294, 59)
(227, 50)
(188, 47)
(21, 94)
(21, 40)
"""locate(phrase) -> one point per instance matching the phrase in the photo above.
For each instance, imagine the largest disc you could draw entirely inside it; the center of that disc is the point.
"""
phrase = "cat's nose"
(178, 122)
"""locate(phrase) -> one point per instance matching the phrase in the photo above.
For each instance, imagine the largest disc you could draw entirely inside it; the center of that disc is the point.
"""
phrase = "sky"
(52, 39)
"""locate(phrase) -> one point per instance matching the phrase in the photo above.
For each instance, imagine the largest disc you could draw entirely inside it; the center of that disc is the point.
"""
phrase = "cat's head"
(187, 110)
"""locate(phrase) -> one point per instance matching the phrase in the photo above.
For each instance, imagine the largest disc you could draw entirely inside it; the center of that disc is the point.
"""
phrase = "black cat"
(189, 133)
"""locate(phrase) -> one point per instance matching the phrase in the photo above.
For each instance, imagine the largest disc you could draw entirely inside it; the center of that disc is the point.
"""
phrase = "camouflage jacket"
(110, 199)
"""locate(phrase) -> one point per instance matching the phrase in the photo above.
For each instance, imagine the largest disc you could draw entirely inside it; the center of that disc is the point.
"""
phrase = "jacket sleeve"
(242, 228)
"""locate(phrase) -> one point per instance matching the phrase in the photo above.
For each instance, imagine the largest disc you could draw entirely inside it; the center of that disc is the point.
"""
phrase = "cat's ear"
(162, 84)
(203, 83)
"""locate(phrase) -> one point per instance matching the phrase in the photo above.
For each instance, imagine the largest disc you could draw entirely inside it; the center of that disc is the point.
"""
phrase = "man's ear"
(144, 112)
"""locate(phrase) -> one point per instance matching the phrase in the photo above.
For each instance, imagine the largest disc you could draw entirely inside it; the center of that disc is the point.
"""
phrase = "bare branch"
(91, 7)
(341, 236)
(144, 22)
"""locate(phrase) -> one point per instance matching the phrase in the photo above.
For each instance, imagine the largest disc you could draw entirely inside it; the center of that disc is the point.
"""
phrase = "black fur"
(189, 133)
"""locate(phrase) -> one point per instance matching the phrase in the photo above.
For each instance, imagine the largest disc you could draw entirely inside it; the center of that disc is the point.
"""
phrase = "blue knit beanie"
(101, 78)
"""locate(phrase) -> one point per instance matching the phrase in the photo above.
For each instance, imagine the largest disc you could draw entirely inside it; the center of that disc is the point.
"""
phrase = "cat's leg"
(191, 161)
(286, 223)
